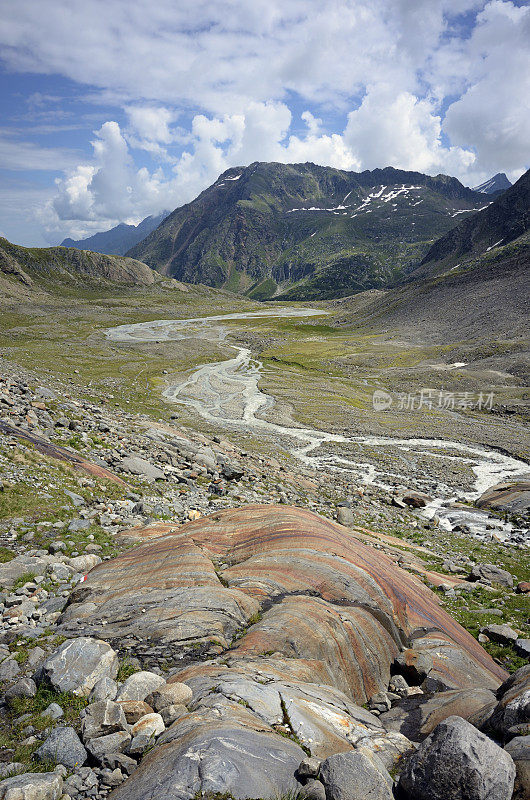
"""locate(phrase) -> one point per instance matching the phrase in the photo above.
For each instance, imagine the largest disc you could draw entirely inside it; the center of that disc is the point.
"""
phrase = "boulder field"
(283, 624)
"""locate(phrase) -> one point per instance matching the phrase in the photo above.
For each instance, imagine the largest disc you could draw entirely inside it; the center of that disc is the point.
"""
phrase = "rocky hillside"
(119, 239)
(303, 231)
(472, 286)
(505, 220)
(167, 609)
(52, 267)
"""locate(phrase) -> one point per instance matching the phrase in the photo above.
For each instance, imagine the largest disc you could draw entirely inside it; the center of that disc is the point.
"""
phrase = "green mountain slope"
(301, 231)
(62, 268)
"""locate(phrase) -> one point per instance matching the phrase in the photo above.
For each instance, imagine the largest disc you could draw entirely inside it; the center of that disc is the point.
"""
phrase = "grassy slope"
(67, 269)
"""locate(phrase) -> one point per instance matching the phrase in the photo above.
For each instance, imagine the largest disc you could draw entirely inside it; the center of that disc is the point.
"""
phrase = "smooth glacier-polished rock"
(306, 621)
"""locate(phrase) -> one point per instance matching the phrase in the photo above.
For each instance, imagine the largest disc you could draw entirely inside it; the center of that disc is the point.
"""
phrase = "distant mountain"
(119, 239)
(59, 268)
(471, 288)
(499, 183)
(301, 231)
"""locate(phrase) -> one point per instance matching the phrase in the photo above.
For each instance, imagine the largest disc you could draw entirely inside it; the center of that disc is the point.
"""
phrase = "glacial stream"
(227, 394)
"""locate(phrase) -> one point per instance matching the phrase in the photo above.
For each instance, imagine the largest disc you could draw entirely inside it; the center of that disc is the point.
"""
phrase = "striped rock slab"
(299, 622)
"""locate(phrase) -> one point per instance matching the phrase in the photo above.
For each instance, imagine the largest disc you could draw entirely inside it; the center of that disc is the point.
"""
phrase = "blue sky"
(116, 109)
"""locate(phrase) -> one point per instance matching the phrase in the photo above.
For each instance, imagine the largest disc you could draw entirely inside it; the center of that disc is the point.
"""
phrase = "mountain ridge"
(507, 218)
(303, 231)
(50, 268)
(117, 240)
(470, 287)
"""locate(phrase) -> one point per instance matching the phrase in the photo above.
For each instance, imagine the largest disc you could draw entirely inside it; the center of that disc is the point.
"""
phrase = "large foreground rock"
(32, 786)
(78, 664)
(457, 762)
(301, 623)
(311, 580)
(223, 756)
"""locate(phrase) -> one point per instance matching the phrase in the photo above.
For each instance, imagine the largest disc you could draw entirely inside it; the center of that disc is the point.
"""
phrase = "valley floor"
(69, 393)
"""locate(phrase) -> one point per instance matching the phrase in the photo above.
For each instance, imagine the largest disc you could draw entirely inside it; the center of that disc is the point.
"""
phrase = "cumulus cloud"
(151, 123)
(493, 112)
(390, 130)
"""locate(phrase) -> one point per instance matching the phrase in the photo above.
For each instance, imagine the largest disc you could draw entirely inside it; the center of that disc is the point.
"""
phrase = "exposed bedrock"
(284, 623)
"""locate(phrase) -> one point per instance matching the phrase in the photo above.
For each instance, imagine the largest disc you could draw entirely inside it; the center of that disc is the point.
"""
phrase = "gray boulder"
(457, 762)
(9, 669)
(502, 634)
(144, 732)
(353, 776)
(169, 694)
(78, 664)
(111, 743)
(79, 525)
(101, 718)
(54, 711)
(519, 749)
(20, 565)
(32, 786)
(105, 689)
(312, 790)
(171, 713)
(63, 746)
(25, 687)
(139, 466)
(345, 516)
(139, 685)
(513, 708)
(489, 572)
(308, 768)
(522, 648)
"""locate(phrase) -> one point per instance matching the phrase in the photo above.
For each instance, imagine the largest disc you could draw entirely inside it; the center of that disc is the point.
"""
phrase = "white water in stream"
(227, 393)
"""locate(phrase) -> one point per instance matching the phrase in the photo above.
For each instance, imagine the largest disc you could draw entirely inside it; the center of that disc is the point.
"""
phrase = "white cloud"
(220, 55)
(493, 113)
(390, 130)
(151, 124)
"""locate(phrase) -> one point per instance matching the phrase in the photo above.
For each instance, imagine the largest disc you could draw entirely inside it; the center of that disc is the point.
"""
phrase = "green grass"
(27, 577)
(126, 669)
(12, 732)
(6, 555)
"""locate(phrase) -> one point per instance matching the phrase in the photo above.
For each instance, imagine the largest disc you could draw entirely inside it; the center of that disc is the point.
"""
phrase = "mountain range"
(302, 231)
(118, 240)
